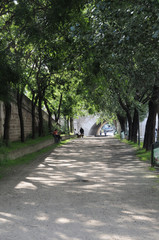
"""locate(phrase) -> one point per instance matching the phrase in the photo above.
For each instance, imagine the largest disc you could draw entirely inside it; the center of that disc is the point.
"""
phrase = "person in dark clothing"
(105, 132)
(56, 136)
(82, 132)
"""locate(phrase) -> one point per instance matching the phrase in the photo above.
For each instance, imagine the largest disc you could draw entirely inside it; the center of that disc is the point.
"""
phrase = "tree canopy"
(83, 54)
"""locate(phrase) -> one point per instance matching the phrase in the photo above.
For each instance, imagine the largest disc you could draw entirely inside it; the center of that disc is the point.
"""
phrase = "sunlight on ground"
(81, 174)
(7, 217)
(113, 237)
(94, 223)
(137, 217)
(74, 195)
(63, 220)
(30, 203)
(4, 220)
(42, 217)
(64, 237)
(25, 185)
(149, 176)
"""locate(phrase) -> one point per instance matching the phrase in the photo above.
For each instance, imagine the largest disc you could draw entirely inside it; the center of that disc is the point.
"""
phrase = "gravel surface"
(89, 189)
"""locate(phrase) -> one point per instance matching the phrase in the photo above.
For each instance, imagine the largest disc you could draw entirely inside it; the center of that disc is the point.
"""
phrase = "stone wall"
(15, 123)
(86, 122)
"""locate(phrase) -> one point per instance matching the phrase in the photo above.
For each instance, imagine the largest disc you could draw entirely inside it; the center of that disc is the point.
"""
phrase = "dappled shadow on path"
(91, 188)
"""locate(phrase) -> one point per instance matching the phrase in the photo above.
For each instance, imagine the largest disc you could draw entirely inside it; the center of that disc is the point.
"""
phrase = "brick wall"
(15, 123)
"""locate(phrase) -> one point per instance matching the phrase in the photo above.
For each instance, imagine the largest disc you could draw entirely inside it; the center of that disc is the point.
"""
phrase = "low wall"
(30, 149)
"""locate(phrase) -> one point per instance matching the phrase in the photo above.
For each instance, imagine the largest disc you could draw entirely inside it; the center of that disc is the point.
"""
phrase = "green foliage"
(17, 145)
(144, 155)
(76, 57)
(121, 49)
(152, 169)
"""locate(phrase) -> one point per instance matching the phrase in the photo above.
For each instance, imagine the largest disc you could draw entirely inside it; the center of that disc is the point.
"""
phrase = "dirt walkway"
(88, 189)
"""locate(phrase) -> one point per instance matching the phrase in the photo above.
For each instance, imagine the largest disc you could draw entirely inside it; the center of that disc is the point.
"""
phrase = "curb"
(30, 149)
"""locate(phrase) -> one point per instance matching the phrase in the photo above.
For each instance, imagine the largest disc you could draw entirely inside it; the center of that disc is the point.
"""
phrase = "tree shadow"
(87, 189)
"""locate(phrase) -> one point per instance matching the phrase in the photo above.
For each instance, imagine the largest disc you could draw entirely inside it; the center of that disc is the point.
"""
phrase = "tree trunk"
(71, 125)
(33, 121)
(57, 116)
(122, 121)
(7, 123)
(59, 109)
(49, 116)
(139, 132)
(50, 121)
(33, 102)
(20, 113)
(68, 128)
(135, 125)
(158, 129)
(126, 107)
(149, 137)
(41, 132)
(130, 124)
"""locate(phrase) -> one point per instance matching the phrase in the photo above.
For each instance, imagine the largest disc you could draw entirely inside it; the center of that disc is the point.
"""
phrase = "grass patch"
(152, 169)
(135, 145)
(117, 136)
(18, 145)
(5, 166)
(141, 153)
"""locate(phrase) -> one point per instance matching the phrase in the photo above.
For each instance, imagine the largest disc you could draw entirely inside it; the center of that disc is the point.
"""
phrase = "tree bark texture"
(158, 129)
(20, 113)
(122, 121)
(41, 132)
(57, 116)
(130, 124)
(126, 107)
(34, 101)
(71, 124)
(149, 137)
(135, 125)
(7, 122)
(49, 116)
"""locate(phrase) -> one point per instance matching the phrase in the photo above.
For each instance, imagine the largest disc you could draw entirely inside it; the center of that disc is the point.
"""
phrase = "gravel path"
(88, 189)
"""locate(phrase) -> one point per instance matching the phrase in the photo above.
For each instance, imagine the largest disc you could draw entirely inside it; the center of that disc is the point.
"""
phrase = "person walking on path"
(105, 132)
(82, 132)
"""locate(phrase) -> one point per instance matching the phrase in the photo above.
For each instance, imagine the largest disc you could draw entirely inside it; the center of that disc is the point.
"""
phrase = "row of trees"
(122, 70)
(37, 59)
(71, 55)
